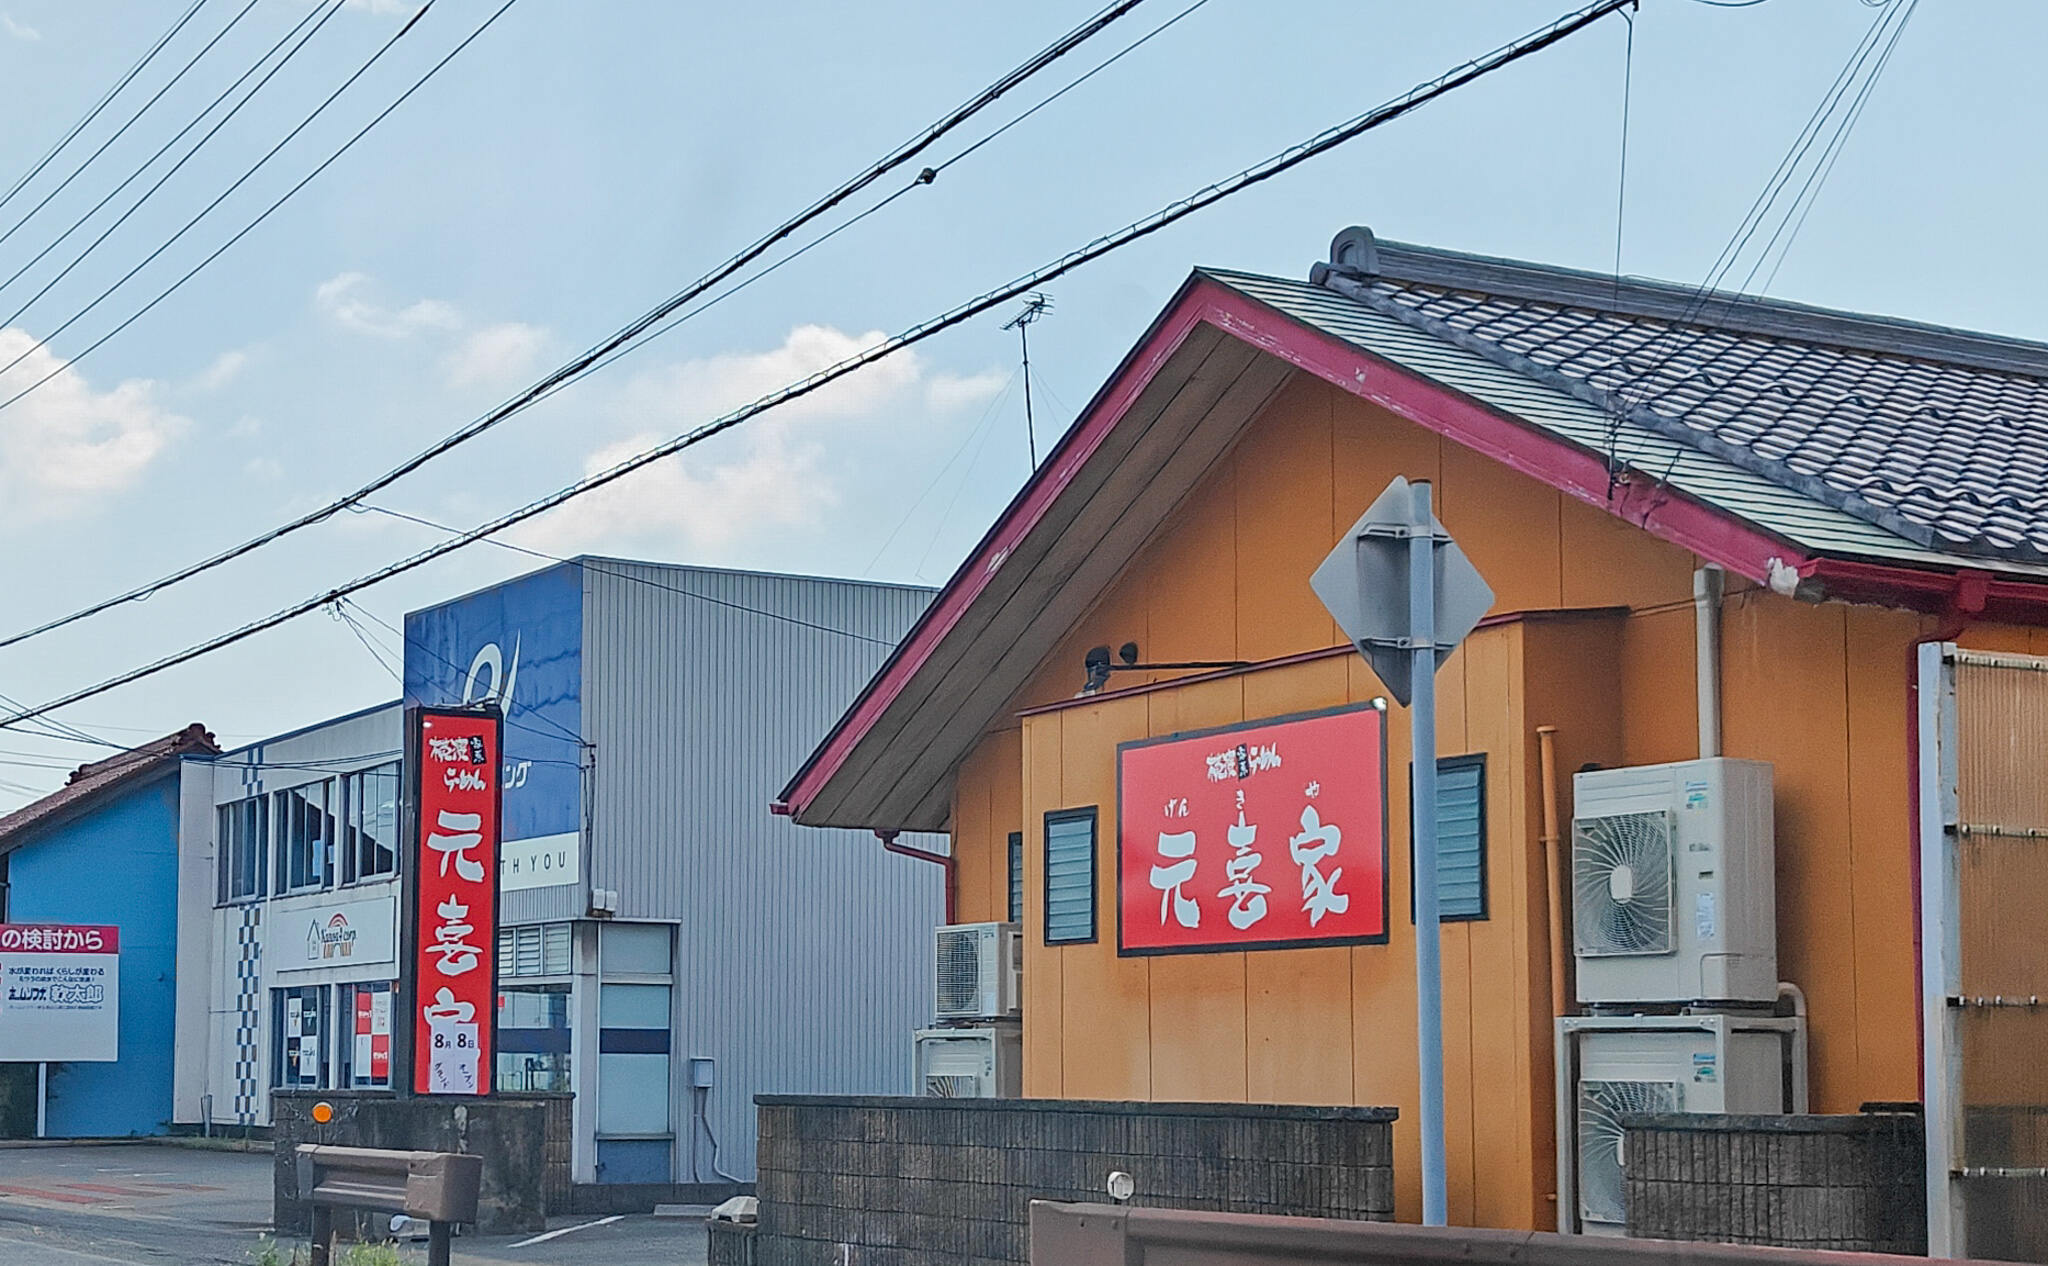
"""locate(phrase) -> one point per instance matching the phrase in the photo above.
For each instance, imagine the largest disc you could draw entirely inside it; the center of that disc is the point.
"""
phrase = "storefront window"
(533, 1038)
(369, 839)
(365, 1049)
(243, 847)
(298, 1020)
(305, 831)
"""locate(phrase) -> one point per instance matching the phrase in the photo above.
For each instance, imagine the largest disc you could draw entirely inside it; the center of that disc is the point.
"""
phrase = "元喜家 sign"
(1267, 835)
(454, 870)
(60, 993)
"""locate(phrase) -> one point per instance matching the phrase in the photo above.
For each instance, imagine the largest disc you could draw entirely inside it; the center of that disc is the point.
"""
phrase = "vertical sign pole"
(1429, 1000)
(42, 1100)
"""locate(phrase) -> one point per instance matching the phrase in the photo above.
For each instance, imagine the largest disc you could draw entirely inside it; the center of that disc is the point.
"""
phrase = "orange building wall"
(1818, 690)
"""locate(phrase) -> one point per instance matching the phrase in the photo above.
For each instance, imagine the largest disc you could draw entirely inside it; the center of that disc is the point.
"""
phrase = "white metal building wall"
(802, 956)
(224, 978)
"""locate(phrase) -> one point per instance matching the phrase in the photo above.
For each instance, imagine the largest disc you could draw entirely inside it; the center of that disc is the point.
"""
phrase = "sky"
(580, 161)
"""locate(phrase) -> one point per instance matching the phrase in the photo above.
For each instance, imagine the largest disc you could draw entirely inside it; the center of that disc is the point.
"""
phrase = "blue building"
(103, 849)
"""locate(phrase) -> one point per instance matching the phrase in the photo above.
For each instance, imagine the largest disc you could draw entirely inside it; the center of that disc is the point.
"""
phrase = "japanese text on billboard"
(455, 877)
(1258, 836)
(60, 992)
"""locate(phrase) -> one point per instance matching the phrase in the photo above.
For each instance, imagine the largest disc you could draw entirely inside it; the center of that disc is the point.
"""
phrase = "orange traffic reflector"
(323, 1112)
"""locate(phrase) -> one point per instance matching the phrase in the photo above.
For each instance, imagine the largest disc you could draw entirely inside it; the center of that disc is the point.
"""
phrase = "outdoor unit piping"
(1553, 864)
(944, 860)
(1708, 584)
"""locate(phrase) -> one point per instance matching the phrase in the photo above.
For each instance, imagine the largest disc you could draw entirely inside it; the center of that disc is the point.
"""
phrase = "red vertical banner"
(454, 878)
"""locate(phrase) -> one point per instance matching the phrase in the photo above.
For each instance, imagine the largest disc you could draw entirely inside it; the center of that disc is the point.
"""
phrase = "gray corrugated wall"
(802, 955)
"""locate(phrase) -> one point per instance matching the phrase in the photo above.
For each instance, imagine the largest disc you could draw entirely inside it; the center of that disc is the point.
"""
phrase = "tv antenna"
(1036, 305)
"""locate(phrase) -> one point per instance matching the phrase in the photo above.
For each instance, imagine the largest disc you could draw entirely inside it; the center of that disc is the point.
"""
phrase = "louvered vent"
(1602, 1104)
(1621, 884)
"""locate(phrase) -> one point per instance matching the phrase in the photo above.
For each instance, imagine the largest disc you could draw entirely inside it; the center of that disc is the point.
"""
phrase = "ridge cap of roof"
(1357, 254)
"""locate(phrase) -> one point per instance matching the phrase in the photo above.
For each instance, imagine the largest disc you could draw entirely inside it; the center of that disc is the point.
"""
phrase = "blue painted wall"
(520, 644)
(116, 863)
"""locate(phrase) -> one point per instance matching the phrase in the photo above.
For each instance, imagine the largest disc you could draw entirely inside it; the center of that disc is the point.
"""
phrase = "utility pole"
(1035, 306)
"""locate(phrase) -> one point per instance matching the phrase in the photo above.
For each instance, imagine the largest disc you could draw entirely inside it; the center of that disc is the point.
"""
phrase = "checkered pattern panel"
(248, 1010)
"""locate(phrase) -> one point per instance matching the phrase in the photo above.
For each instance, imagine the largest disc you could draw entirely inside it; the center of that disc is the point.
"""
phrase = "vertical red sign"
(455, 902)
(1257, 836)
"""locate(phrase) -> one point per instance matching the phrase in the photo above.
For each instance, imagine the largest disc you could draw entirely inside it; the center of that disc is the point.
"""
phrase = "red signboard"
(59, 938)
(1258, 836)
(454, 901)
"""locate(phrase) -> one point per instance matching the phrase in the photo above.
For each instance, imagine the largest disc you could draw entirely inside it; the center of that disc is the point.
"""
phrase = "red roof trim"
(1582, 473)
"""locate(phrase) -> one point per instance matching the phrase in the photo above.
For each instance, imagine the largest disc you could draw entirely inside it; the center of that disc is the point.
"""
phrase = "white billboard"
(342, 934)
(60, 993)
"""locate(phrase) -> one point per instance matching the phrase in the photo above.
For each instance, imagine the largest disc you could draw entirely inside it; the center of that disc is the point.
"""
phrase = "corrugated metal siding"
(802, 955)
(1790, 514)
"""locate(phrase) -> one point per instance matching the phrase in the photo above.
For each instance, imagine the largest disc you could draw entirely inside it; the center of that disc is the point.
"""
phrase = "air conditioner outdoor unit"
(977, 971)
(972, 1063)
(1673, 883)
(1610, 1066)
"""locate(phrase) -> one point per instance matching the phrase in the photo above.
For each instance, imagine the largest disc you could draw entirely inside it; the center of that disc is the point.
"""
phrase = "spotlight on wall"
(1100, 664)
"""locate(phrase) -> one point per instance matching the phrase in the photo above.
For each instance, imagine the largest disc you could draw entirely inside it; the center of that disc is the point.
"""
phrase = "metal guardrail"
(1115, 1235)
(438, 1188)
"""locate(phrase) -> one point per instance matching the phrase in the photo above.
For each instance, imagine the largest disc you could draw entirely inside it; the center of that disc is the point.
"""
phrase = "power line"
(317, 10)
(1815, 182)
(1275, 165)
(613, 346)
(104, 101)
(1730, 252)
(304, 123)
(134, 118)
(598, 565)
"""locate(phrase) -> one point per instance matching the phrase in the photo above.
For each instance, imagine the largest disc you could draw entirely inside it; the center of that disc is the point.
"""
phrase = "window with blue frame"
(1460, 839)
(1016, 876)
(1070, 876)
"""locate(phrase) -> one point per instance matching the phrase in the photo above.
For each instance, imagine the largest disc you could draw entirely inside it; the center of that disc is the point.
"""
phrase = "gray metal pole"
(1429, 984)
(42, 1101)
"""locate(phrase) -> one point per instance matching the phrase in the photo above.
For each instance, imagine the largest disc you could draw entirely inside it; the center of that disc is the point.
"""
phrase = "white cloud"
(496, 355)
(783, 470)
(19, 30)
(267, 469)
(225, 368)
(344, 298)
(776, 483)
(67, 442)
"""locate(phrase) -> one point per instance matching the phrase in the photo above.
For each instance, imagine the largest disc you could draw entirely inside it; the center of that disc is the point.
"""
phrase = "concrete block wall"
(510, 1134)
(1853, 1182)
(920, 1182)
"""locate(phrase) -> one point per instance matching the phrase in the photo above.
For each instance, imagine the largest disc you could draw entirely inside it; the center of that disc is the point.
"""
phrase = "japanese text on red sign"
(1262, 835)
(457, 878)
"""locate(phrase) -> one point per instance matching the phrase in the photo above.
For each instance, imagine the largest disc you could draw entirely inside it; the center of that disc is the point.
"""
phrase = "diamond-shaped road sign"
(1364, 583)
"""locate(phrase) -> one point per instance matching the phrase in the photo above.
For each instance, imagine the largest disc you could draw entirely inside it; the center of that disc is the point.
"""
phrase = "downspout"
(1709, 583)
(1553, 866)
(944, 860)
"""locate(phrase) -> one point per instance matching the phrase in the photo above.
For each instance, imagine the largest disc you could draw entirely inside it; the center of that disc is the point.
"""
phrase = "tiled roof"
(96, 778)
(1937, 436)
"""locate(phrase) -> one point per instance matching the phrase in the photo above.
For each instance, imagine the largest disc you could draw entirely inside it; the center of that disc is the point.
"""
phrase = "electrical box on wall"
(1611, 1066)
(1674, 894)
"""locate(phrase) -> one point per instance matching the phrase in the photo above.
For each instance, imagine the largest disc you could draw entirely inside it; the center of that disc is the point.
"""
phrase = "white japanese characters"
(1317, 843)
(1247, 895)
(458, 833)
(451, 940)
(1172, 880)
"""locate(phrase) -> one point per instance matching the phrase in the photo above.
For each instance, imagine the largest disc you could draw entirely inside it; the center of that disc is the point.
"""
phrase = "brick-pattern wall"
(921, 1182)
(1816, 1182)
